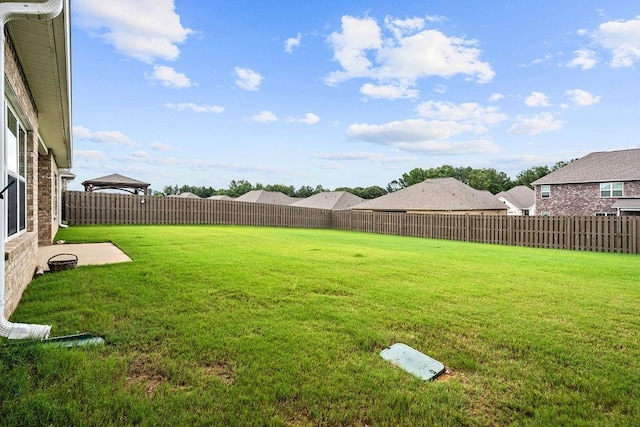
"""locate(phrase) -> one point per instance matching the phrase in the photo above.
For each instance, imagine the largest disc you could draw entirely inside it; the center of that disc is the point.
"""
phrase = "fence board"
(601, 234)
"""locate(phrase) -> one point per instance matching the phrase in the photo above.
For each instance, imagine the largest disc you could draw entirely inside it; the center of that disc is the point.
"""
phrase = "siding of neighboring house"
(581, 199)
(519, 200)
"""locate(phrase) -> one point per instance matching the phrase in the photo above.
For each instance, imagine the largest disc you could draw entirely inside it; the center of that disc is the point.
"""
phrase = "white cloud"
(169, 77)
(348, 156)
(195, 108)
(468, 112)
(292, 42)
(309, 119)
(161, 146)
(622, 38)
(584, 58)
(450, 147)
(436, 18)
(247, 79)
(101, 137)
(407, 131)
(387, 91)
(143, 29)
(439, 122)
(495, 97)
(403, 27)
(141, 154)
(90, 155)
(362, 156)
(351, 45)
(582, 98)
(537, 99)
(546, 58)
(405, 55)
(265, 117)
(533, 125)
(440, 89)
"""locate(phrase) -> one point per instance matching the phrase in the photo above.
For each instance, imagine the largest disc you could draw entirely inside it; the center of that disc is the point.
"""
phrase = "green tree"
(238, 188)
(289, 190)
(526, 177)
(308, 191)
(394, 186)
(414, 176)
(169, 190)
(373, 192)
(490, 180)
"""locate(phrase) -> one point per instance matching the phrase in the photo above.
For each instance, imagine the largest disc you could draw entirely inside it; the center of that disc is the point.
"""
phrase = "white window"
(545, 191)
(15, 169)
(545, 213)
(611, 189)
(606, 214)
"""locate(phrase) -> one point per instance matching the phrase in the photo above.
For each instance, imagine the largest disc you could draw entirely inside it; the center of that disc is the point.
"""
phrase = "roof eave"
(47, 68)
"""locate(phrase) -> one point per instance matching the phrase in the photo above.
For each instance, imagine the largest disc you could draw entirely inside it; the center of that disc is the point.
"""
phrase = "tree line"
(488, 179)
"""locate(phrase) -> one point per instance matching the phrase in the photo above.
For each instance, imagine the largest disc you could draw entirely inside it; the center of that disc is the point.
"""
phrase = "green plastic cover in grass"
(413, 361)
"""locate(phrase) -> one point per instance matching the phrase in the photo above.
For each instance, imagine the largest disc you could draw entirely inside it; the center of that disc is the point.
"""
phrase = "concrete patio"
(87, 253)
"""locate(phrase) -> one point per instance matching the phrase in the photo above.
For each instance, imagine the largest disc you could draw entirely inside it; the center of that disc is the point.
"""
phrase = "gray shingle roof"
(438, 194)
(220, 197)
(270, 197)
(186, 195)
(522, 197)
(116, 179)
(330, 200)
(627, 204)
(601, 166)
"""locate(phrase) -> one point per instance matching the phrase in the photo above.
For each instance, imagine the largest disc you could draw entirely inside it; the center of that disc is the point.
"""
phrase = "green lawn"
(218, 325)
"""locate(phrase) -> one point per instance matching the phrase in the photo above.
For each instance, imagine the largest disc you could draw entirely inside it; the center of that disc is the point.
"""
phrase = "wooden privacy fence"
(586, 233)
(84, 208)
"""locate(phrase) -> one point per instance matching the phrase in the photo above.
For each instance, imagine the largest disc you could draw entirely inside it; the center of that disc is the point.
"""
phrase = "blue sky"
(355, 93)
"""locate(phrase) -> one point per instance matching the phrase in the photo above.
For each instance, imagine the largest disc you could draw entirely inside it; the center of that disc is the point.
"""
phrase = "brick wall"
(580, 199)
(47, 199)
(21, 252)
(21, 259)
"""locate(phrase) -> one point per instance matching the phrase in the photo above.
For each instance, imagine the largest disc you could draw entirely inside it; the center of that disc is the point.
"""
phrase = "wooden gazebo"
(116, 182)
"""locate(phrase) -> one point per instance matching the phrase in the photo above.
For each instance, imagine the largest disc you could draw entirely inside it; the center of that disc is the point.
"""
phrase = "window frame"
(608, 190)
(545, 191)
(15, 200)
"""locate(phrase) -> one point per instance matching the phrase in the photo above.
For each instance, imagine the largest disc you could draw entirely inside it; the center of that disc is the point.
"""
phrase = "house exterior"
(520, 200)
(36, 140)
(269, 197)
(438, 195)
(330, 200)
(601, 183)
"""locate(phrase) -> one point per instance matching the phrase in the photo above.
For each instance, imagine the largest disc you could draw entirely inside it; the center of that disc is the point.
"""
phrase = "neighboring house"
(520, 200)
(269, 197)
(330, 200)
(600, 183)
(438, 195)
(185, 195)
(36, 140)
(220, 198)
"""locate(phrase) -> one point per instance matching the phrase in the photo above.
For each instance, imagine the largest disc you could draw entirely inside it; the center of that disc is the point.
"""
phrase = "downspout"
(9, 12)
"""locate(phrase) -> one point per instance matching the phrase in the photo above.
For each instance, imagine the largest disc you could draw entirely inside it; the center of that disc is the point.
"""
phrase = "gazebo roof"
(116, 182)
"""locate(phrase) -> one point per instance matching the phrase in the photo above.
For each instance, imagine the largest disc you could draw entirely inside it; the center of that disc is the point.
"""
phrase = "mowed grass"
(221, 325)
